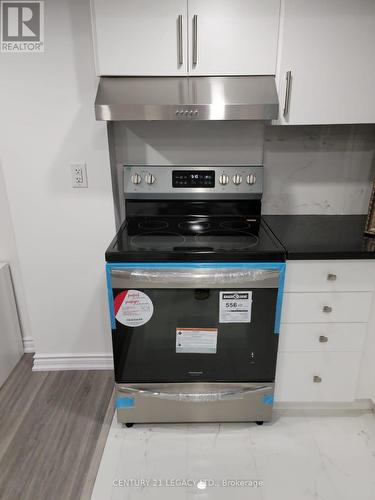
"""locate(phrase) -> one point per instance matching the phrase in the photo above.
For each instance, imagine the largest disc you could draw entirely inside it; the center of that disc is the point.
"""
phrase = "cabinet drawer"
(335, 375)
(339, 307)
(322, 337)
(330, 275)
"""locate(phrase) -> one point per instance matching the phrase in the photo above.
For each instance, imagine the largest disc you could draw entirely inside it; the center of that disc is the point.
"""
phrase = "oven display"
(193, 178)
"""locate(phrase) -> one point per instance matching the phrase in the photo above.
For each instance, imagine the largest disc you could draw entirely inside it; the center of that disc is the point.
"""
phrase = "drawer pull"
(327, 309)
(317, 379)
(331, 277)
(323, 338)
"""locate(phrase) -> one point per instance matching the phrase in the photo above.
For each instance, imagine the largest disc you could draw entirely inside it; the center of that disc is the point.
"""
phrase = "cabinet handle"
(180, 42)
(195, 39)
(287, 93)
(323, 339)
(327, 309)
(317, 379)
(331, 277)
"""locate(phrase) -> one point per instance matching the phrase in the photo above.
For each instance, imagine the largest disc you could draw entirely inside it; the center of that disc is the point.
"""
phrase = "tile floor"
(296, 458)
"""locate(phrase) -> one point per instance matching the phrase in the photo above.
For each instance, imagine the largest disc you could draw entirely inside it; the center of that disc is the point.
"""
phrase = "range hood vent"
(186, 98)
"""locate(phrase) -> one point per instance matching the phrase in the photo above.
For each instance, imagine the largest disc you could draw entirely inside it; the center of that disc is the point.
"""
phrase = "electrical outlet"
(79, 175)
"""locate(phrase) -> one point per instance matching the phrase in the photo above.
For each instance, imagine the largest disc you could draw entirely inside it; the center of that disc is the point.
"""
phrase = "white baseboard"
(89, 361)
(28, 344)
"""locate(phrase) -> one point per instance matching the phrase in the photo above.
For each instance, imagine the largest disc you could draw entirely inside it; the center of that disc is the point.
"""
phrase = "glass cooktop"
(194, 239)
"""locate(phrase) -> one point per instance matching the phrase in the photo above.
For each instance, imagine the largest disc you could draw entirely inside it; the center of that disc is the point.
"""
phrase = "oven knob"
(150, 179)
(251, 179)
(136, 179)
(224, 179)
(237, 179)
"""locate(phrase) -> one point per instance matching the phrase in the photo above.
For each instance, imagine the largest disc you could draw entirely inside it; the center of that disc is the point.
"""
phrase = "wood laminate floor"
(51, 424)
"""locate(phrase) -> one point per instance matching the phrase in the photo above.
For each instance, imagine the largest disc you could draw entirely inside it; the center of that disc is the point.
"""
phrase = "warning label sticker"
(196, 340)
(133, 308)
(235, 307)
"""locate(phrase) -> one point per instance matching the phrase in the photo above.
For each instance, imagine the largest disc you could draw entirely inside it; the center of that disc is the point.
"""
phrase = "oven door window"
(146, 347)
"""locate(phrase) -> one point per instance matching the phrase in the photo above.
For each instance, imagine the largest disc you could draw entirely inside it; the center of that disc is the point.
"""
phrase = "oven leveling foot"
(129, 425)
(259, 422)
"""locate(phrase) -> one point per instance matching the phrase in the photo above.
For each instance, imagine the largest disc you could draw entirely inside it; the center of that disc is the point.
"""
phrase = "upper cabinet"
(233, 37)
(180, 37)
(326, 67)
(323, 49)
(140, 37)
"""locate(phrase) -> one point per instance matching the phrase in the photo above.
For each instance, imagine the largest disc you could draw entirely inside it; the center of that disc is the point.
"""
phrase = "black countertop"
(322, 236)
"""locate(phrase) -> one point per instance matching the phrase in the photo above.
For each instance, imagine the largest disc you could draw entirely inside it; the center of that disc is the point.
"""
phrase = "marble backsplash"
(318, 169)
(308, 169)
(189, 143)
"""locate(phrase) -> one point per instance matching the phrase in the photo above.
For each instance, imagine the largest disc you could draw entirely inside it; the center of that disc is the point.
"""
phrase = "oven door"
(195, 322)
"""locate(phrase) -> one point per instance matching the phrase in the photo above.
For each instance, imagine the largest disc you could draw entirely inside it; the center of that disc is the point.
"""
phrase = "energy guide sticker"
(133, 308)
(235, 307)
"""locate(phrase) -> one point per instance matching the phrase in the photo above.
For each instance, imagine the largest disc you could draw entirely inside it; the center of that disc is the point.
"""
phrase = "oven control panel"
(146, 181)
(193, 179)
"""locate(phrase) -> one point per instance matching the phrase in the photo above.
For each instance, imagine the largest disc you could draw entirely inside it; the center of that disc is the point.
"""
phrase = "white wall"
(47, 121)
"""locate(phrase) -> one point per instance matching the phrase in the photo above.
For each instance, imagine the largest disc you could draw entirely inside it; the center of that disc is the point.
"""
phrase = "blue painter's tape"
(110, 297)
(196, 265)
(279, 302)
(280, 266)
(124, 402)
(268, 399)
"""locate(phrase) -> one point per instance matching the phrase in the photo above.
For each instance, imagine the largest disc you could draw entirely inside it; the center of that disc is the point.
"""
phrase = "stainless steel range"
(195, 284)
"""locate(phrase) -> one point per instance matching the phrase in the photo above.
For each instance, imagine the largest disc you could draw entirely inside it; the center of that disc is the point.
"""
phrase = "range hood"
(186, 98)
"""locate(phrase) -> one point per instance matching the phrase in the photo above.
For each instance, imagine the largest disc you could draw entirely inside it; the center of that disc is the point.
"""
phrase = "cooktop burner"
(153, 224)
(194, 225)
(222, 240)
(157, 240)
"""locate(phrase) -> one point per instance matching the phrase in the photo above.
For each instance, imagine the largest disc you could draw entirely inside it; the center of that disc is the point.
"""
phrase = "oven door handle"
(194, 397)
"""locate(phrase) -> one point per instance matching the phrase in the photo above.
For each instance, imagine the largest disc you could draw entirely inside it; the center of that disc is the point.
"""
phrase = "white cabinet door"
(328, 46)
(233, 37)
(140, 37)
(317, 377)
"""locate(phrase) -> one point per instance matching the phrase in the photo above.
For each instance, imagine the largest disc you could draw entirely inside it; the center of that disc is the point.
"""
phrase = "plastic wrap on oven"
(195, 278)
(197, 397)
